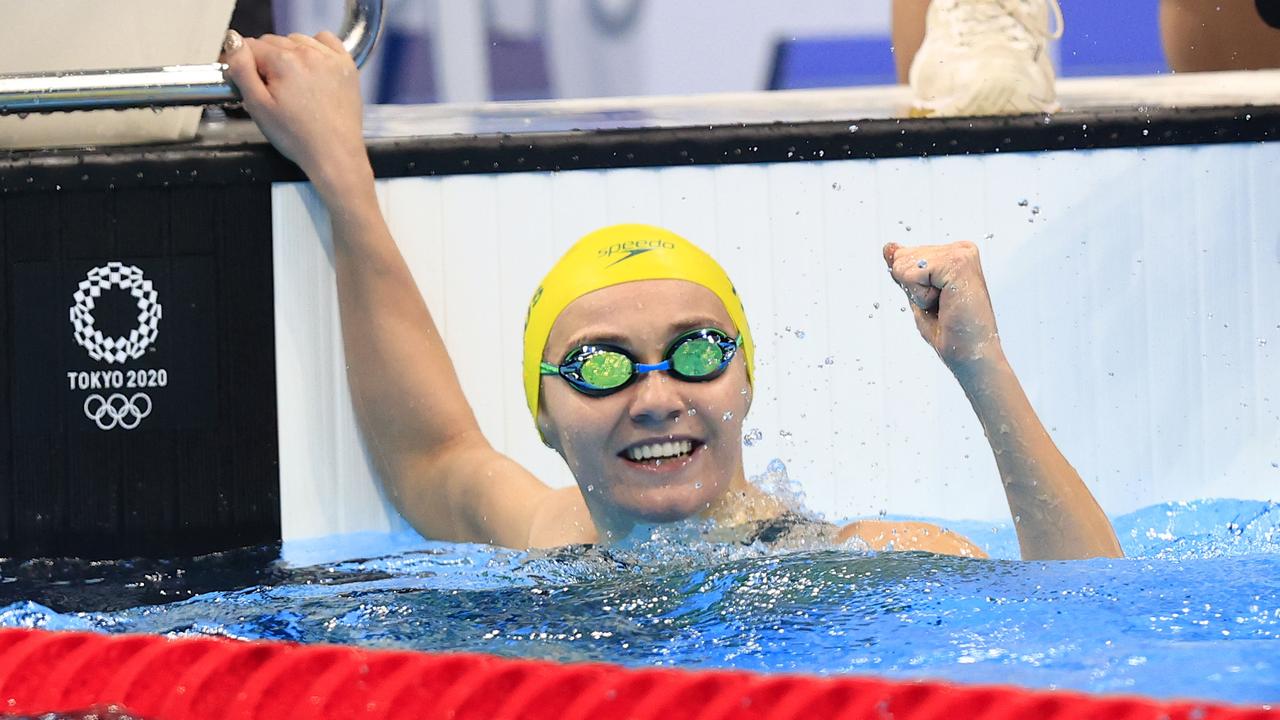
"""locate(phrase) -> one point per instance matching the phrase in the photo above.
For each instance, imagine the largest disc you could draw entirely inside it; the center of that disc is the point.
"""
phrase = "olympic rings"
(117, 410)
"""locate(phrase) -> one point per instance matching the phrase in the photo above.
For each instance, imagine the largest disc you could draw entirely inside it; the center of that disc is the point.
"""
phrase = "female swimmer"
(637, 364)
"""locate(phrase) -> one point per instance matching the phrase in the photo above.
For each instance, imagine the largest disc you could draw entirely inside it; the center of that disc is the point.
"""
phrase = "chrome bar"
(162, 86)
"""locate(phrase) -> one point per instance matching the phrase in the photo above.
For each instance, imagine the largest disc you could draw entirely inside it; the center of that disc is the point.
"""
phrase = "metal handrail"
(160, 86)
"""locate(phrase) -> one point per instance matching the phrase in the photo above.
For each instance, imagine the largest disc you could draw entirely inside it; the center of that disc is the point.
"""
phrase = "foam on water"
(1194, 611)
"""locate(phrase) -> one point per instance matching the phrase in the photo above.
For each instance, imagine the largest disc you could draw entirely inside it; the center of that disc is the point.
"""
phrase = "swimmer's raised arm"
(1055, 515)
(442, 474)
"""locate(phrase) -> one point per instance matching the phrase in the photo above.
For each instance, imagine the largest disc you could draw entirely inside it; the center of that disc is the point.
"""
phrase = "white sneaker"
(986, 57)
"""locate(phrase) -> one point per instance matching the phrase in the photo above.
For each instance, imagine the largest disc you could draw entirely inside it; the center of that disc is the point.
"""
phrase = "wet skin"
(593, 433)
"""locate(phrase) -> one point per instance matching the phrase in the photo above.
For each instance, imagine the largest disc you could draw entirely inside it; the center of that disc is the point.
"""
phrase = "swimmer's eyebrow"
(609, 337)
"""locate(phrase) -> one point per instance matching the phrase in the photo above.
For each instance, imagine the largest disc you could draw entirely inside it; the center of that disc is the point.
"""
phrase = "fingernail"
(232, 42)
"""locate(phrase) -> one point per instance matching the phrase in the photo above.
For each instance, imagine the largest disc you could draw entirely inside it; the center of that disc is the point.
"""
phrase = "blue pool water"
(1194, 611)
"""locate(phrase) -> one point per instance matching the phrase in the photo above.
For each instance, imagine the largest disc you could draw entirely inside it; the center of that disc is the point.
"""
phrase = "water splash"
(1192, 613)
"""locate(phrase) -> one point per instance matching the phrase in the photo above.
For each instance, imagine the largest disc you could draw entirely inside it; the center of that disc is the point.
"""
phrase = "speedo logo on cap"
(631, 248)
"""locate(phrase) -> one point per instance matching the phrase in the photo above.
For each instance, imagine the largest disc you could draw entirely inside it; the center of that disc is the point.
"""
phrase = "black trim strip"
(238, 161)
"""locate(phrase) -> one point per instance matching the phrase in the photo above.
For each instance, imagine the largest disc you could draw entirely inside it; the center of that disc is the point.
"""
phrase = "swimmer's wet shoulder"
(563, 520)
(909, 535)
(793, 530)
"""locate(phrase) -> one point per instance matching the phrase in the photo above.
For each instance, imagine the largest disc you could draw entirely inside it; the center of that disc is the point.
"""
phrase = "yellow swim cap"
(611, 256)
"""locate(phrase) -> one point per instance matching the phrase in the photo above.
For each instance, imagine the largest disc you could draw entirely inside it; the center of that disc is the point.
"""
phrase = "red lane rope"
(158, 678)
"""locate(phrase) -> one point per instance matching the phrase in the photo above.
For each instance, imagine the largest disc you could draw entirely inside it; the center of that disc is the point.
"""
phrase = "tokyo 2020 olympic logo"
(115, 349)
(110, 410)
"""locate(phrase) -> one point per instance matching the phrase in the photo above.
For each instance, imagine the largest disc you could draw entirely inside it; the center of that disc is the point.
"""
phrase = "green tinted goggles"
(600, 369)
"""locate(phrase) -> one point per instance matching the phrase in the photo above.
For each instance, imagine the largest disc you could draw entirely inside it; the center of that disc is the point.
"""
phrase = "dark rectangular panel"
(140, 407)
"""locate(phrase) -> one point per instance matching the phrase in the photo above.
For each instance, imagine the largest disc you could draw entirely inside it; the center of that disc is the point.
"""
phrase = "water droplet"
(902, 309)
(799, 333)
(784, 434)
(693, 411)
(1023, 202)
(697, 486)
(853, 128)
(1262, 342)
(875, 305)
(922, 264)
(989, 236)
(828, 360)
(591, 488)
(1035, 210)
(835, 186)
(908, 228)
(1145, 132)
(727, 416)
(752, 436)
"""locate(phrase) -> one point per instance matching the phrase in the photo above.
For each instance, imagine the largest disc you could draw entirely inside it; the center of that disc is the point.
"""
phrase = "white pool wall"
(1136, 306)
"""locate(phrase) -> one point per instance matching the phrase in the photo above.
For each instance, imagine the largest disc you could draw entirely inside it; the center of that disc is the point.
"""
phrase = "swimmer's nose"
(656, 399)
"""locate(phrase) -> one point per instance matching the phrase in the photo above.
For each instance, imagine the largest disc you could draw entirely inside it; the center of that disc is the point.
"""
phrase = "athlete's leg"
(1218, 35)
(907, 33)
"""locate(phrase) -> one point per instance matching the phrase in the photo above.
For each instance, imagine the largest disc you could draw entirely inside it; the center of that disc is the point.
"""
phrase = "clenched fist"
(949, 300)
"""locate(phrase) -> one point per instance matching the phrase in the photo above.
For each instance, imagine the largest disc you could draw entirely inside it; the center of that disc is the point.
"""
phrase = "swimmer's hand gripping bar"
(162, 86)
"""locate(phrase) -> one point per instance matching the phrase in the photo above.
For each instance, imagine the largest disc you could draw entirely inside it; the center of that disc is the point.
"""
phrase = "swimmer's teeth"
(660, 450)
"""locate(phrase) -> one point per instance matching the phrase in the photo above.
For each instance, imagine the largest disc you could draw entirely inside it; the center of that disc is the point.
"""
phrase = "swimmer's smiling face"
(598, 436)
